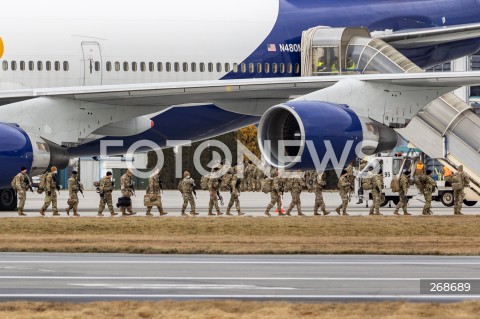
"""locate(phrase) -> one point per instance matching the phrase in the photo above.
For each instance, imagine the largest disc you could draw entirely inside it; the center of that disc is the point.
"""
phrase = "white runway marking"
(180, 262)
(181, 286)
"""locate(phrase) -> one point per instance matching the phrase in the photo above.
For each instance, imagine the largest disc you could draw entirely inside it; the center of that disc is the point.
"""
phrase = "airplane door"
(92, 61)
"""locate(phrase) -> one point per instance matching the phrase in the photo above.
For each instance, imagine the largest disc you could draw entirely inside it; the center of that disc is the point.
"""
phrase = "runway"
(82, 278)
(253, 204)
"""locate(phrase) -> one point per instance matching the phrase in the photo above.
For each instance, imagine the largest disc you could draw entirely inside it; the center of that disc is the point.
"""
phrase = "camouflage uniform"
(297, 185)
(459, 195)
(319, 182)
(73, 190)
(259, 175)
(234, 196)
(21, 188)
(377, 194)
(213, 188)
(50, 195)
(106, 187)
(429, 186)
(403, 200)
(276, 196)
(127, 191)
(344, 189)
(250, 172)
(187, 192)
(154, 189)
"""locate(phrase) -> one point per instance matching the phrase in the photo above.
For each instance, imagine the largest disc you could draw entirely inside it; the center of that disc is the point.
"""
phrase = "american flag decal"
(272, 48)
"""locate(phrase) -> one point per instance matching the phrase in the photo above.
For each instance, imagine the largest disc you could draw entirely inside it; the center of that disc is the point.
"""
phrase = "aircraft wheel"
(447, 199)
(8, 199)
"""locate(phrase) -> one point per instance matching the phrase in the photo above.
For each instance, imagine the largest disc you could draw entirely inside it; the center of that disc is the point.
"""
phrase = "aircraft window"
(151, 66)
(169, 67)
(219, 67)
(97, 66)
(289, 68)
(143, 66)
(109, 66)
(267, 68)
(202, 67)
(275, 68)
(185, 67)
(259, 68)
(40, 65)
(66, 66)
(134, 66)
(160, 67)
(243, 67)
(31, 65)
(176, 66)
(227, 67)
(5, 65)
(210, 67)
(48, 65)
(22, 65)
(297, 68)
(14, 65)
(57, 66)
(125, 66)
(194, 67)
(251, 68)
(117, 66)
(235, 67)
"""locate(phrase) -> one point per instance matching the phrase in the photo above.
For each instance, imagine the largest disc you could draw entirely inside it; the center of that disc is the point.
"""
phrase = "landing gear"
(447, 199)
(8, 199)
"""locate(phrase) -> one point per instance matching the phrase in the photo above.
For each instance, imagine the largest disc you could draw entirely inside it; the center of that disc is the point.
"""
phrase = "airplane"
(74, 74)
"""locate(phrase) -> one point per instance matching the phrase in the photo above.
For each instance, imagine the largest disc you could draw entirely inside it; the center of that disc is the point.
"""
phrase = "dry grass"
(355, 235)
(237, 310)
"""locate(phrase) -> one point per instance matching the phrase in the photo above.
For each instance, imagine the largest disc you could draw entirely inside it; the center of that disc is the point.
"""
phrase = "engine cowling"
(319, 135)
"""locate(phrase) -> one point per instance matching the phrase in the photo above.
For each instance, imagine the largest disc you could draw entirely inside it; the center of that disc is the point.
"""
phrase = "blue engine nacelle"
(17, 149)
(312, 135)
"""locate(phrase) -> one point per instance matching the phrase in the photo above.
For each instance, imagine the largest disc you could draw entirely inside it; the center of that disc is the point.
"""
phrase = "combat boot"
(20, 213)
(378, 214)
(326, 212)
(219, 214)
(68, 211)
(316, 214)
(228, 213)
(56, 214)
(407, 214)
(113, 214)
(338, 210)
(76, 214)
(267, 213)
(194, 213)
(163, 213)
(100, 215)
(210, 214)
(345, 214)
(149, 214)
(241, 214)
(396, 213)
(301, 214)
(184, 214)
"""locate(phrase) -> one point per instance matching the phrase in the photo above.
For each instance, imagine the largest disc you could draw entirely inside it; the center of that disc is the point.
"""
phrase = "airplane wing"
(430, 36)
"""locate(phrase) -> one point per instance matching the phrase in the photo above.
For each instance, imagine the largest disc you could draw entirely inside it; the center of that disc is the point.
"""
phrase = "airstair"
(447, 129)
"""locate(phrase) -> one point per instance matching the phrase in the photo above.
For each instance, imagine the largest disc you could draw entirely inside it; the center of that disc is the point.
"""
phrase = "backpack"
(266, 185)
(180, 186)
(13, 182)
(420, 182)
(203, 182)
(367, 184)
(43, 181)
(395, 185)
(227, 181)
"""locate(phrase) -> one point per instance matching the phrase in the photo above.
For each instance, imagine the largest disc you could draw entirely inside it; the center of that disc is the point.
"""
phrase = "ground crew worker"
(402, 193)
(153, 190)
(460, 180)
(297, 185)
(73, 189)
(447, 176)
(429, 186)
(275, 193)
(127, 191)
(335, 68)
(234, 195)
(22, 184)
(51, 187)
(105, 189)
(344, 190)
(213, 189)
(319, 182)
(187, 187)
(377, 193)
(321, 64)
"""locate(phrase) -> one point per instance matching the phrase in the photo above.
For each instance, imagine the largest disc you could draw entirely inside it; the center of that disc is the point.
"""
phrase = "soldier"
(234, 195)
(429, 186)
(187, 186)
(127, 190)
(73, 189)
(344, 190)
(154, 187)
(105, 189)
(402, 193)
(250, 173)
(259, 175)
(297, 185)
(460, 180)
(377, 193)
(319, 182)
(22, 183)
(213, 189)
(276, 193)
(51, 187)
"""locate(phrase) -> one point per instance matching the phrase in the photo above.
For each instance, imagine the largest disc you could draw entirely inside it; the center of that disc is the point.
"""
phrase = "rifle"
(55, 179)
(220, 197)
(132, 186)
(26, 179)
(80, 188)
(194, 193)
(160, 184)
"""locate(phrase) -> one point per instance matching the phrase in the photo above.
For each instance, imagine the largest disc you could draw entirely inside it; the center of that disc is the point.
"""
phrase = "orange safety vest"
(447, 172)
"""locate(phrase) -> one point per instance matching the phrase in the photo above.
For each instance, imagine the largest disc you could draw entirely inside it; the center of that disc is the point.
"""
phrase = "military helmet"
(186, 174)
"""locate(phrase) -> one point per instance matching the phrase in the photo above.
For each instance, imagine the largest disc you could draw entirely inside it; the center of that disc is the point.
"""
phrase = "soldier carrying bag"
(151, 200)
(124, 202)
(457, 182)
(367, 184)
(395, 185)
(266, 185)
